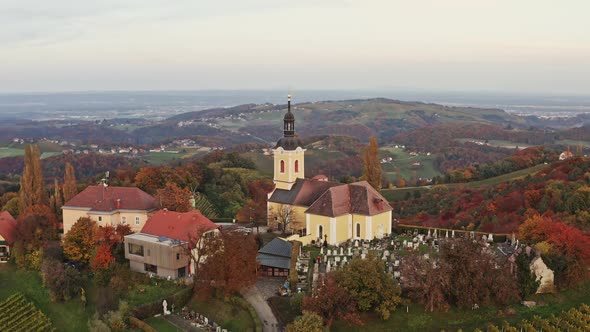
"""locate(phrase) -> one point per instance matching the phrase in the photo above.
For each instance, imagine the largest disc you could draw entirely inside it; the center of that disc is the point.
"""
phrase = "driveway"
(254, 297)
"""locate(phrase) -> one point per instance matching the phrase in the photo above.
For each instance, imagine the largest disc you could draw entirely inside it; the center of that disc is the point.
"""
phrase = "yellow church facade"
(318, 209)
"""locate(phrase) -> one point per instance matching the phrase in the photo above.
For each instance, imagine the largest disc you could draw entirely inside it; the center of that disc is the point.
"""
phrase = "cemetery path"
(269, 321)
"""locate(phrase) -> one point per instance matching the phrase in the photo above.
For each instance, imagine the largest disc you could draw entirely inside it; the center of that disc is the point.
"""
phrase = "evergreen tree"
(372, 170)
(55, 200)
(70, 188)
(527, 281)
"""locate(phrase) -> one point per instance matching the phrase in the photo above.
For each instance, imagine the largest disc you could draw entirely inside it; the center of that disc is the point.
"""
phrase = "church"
(318, 209)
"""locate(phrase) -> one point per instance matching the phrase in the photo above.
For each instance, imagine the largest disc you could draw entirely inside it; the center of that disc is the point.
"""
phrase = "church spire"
(289, 120)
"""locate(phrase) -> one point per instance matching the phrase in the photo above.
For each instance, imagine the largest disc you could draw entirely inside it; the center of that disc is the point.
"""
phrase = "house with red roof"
(318, 209)
(110, 206)
(161, 248)
(7, 235)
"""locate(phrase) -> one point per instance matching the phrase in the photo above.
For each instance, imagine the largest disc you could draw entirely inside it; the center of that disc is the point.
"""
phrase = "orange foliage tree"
(230, 264)
(174, 198)
(79, 242)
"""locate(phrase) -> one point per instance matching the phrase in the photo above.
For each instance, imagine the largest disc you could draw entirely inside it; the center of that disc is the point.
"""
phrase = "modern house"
(318, 209)
(162, 245)
(110, 206)
(275, 258)
(7, 235)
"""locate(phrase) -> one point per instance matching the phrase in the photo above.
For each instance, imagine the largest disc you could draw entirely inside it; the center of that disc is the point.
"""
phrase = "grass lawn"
(403, 163)
(68, 316)
(468, 320)
(162, 325)
(11, 152)
(229, 316)
(156, 289)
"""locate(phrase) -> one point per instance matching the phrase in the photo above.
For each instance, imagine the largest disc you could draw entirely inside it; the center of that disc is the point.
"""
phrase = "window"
(321, 232)
(296, 166)
(123, 220)
(182, 272)
(99, 218)
(358, 230)
(135, 249)
(150, 268)
(137, 219)
(177, 256)
(148, 252)
(282, 166)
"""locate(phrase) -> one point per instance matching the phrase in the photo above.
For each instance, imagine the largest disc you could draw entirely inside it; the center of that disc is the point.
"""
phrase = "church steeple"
(289, 154)
(289, 120)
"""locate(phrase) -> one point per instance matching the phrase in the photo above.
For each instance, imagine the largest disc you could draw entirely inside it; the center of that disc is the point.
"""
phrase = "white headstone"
(363, 255)
(328, 268)
(349, 251)
(337, 259)
(345, 259)
(453, 233)
(322, 250)
(396, 263)
(206, 320)
(356, 243)
(447, 234)
(435, 234)
(165, 305)
(428, 235)
(341, 251)
(396, 274)
(329, 252)
(491, 238)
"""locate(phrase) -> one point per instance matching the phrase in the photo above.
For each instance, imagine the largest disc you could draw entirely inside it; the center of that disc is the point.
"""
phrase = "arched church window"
(296, 166)
(358, 230)
(282, 166)
(321, 232)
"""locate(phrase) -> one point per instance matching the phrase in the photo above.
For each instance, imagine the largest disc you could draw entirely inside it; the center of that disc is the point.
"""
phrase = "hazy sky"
(511, 45)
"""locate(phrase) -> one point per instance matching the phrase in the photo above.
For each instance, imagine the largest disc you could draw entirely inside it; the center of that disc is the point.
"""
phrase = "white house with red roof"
(110, 206)
(161, 246)
(7, 235)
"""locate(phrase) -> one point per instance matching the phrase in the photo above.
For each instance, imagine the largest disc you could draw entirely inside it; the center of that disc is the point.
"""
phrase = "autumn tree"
(286, 218)
(372, 166)
(527, 280)
(332, 301)
(308, 322)
(36, 226)
(174, 198)
(56, 201)
(32, 185)
(70, 188)
(255, 209)
(62, 282)
(370, 286)
(229, 262)
(79, 242)
(425, 283)
(102, 258)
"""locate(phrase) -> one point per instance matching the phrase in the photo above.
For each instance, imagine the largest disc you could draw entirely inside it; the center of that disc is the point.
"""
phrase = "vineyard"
(18, 314)
(573, 320)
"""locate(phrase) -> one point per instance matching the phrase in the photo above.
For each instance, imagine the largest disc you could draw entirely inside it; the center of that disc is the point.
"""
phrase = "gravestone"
(491, 238)
(349, 251)
(453, 233)
(396, 274)
(337, 259)
(396, 263)
(329, 252)
(322, 250)
(363, 256)
(447, 234)
(356, 243)
(328, 267)
(341, 251)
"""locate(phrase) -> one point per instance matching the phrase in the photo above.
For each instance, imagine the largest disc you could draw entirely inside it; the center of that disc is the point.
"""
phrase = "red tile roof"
(177, 225)
(7, 227)
(107, 199)
(357, 198)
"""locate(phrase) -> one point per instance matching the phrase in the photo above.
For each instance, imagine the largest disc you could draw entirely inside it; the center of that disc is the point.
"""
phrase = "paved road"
(269, 322)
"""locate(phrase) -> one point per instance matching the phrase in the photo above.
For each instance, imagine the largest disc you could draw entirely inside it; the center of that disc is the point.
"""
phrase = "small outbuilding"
(7, 235)
(275, 258)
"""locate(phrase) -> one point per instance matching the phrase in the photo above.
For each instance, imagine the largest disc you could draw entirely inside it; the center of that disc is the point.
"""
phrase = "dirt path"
(269, 321)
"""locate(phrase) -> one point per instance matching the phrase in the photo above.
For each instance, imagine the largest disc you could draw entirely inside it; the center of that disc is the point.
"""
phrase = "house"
(110, 206)
(275, 258)
(7, 235)
(544, 275)
(566, 154)
(317, 209)
(161, 246)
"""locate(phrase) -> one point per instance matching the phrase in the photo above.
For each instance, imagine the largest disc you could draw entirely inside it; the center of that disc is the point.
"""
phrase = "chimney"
(118, 203)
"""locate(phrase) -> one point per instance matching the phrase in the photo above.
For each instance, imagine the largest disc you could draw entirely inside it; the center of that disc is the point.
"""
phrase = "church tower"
(289, 161)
